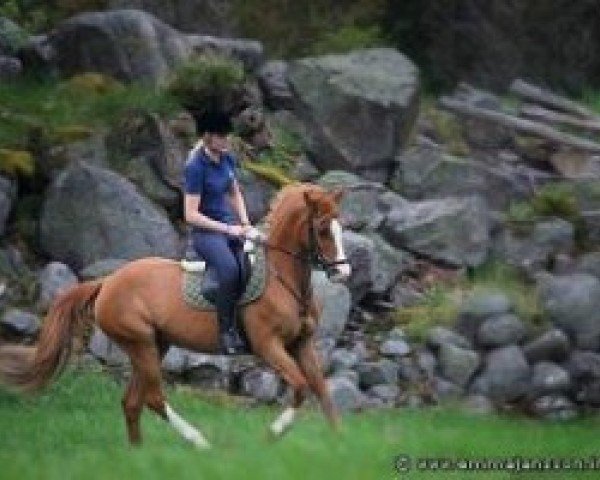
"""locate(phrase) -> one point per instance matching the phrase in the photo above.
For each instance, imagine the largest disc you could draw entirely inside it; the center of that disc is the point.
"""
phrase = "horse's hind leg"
(147, 363)
(132, 409)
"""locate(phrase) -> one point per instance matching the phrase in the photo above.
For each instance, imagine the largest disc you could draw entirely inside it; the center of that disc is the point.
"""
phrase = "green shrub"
(556, 199)
(207, 82)
(347, 38)
(14, 162)
(285, 151)
(442, 301)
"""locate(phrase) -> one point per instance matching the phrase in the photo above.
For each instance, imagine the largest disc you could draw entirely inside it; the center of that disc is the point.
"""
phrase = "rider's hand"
(235, 230)
(246, 228)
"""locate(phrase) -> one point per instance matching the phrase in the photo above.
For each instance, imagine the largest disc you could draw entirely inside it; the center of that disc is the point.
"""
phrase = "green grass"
(75, 430)
(35, 108)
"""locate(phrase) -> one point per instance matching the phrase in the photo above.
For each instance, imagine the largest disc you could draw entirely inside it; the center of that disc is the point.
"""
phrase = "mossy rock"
(70, 133)
(14, 162)
(270, 173)
(93, 83)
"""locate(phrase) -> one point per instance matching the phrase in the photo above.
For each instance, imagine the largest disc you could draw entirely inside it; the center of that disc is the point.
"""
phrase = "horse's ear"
(311, 200)
(337, 195)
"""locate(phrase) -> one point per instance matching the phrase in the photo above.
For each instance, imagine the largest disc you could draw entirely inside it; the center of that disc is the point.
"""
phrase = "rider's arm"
(237, 201)
(194, 217)
(193, 184)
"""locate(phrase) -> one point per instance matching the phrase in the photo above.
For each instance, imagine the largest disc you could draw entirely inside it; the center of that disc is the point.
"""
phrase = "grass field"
(75, 431)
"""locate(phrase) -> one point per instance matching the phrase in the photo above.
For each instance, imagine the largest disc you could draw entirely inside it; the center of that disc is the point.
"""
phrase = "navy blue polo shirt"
(212, 181)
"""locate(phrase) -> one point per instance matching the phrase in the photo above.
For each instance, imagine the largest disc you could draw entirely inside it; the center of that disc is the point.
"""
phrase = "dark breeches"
(221, 254)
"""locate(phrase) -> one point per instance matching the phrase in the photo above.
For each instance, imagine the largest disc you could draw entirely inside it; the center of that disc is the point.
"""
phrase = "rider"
(215, 208)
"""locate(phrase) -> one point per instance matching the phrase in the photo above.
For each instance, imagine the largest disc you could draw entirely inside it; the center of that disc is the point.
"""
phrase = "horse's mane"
(289, 198)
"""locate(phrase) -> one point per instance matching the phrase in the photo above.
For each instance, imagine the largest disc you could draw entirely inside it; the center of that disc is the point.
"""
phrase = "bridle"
(313, 255)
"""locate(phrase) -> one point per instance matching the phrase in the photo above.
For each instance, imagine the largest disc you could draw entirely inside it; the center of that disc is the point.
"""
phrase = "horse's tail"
(30, 368)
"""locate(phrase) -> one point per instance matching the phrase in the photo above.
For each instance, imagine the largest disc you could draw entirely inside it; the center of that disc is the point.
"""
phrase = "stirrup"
(232, 343)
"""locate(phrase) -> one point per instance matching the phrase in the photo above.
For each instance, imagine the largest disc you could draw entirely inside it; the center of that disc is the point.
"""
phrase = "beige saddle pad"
(194, 275)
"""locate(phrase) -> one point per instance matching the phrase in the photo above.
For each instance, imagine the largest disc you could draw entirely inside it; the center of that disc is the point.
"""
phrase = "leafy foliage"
(207, 83)
(37, 112)
(441, 302)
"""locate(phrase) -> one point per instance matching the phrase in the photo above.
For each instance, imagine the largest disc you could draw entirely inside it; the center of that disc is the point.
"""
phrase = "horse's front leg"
(275, 354)
(310, 364)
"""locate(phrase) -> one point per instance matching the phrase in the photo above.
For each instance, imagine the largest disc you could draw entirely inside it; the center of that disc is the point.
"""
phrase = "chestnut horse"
(141, 307)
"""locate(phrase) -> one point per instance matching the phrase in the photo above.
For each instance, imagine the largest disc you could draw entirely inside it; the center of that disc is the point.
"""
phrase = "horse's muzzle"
(339, 273)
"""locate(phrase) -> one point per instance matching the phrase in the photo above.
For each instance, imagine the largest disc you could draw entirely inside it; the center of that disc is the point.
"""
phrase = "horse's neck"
(290, 267)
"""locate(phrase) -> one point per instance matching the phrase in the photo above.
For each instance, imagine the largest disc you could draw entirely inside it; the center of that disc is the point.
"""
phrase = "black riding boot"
(231, 342)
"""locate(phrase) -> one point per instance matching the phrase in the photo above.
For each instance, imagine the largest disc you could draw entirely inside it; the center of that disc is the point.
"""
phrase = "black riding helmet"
(213, 122)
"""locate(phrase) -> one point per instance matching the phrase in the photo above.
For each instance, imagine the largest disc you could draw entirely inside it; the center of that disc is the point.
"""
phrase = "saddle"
(200, 286)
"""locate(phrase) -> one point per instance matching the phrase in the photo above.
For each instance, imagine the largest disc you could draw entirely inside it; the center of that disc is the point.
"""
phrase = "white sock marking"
(185, 429)
(283, 421)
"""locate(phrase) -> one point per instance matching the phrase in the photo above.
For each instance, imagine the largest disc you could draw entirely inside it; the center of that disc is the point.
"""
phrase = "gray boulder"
(376, 372)
(457, 364)
(589, 263)
(212, 17)
(477, 308)
(377, 88)
(107, 351)
(257, 192)
(445, 390)
(506, 375)
(10, 68)
(117, 222)
(388, 394)
(91, 150)
(360, 252)
(554, 407)
(572, 303)
(39, 55)
(208, 371)
(426, 173)
(478, 404)
(345, 395)
(360, 207)
(342, 359)
(54, 278)
(335, 298)
(272, 78)
(533, 250)
(549, 378)
(142, 148)
(8, 196)
(20, 323)
(394, 348)
(175, 361)
(552, 345)
(404, 296)
(12, 37)
(438, 336)
(249, 52)
(101, 268)
(125, 44)
(501, 330)
(453, 230)
(584, 365)
(389, 263)
(261, 384)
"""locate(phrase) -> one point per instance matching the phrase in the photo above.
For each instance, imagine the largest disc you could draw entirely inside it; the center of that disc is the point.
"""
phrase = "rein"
(313, 255)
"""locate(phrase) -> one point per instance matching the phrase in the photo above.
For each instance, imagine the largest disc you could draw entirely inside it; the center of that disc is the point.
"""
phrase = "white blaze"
(342, 268)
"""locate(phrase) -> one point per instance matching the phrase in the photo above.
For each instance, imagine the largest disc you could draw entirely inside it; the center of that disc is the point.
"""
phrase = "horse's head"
(323, 233)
